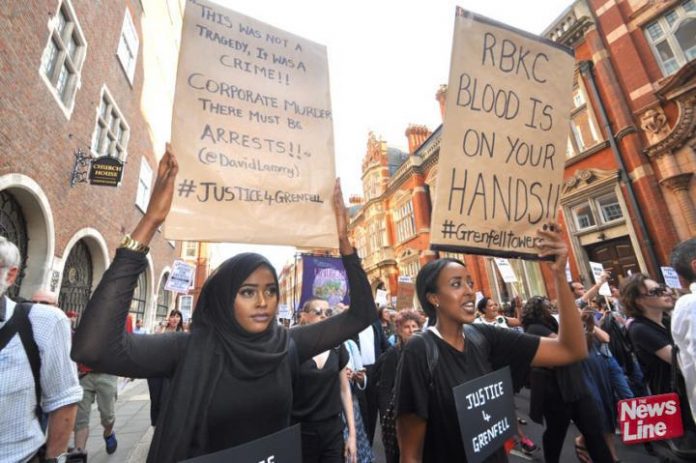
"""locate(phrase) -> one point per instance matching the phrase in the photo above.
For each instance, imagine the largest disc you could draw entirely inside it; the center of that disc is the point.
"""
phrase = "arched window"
(164, 299)
(139, 297)
(13, 226)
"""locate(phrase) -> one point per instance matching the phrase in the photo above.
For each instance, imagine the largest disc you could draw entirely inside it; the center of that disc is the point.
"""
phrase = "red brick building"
(73, 80)
(629, 195)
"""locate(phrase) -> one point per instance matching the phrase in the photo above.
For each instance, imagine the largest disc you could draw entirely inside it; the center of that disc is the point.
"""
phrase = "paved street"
(132, 426)
(134, 432)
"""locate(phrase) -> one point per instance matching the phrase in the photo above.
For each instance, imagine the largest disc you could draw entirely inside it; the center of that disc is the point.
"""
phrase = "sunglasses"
(657, 291)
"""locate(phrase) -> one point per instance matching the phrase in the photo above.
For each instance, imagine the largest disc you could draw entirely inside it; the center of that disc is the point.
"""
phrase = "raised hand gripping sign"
(253, 133)
(500, 171)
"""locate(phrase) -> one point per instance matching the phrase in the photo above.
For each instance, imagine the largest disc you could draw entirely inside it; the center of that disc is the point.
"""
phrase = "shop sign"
(106, 171)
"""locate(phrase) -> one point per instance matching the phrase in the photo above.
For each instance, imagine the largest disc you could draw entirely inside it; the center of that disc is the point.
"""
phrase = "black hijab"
(217, 341)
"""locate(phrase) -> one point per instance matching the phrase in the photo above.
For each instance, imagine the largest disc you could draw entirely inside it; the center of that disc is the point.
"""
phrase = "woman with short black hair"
(427, 424)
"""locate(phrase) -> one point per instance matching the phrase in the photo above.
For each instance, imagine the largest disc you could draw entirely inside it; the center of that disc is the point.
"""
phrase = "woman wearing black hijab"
(233, 371)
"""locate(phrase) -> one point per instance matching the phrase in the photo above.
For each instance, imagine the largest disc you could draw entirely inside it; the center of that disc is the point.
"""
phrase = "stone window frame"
(187, 247)
(128, 46)
(667, 25)
(106, 112)
(63, 57)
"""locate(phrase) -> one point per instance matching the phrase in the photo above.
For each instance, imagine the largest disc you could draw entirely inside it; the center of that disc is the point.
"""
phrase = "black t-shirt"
(569, 378)
(318, 390)
(443, 441)
(648, 337)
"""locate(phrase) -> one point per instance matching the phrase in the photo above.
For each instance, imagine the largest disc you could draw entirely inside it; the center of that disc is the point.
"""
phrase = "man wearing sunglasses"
(649, 303)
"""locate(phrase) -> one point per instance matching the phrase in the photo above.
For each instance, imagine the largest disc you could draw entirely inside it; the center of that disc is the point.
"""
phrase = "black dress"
(443, 442)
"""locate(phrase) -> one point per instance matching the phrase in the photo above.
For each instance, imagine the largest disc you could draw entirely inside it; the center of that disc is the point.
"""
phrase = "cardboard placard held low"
(281, 447)
(486, 413)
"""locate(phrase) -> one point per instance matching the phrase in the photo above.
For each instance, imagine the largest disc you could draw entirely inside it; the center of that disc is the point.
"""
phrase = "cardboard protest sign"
(505, 269)
(405, 290)
(181, 277)
(500, 171)
(381, 297)
(280, 447)
(651, 418)
(671, 277)
(253, 133)
(486, 413)
(597, 270)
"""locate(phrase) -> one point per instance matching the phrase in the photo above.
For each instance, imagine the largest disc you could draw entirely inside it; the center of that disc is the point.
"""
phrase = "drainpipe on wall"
(586, 70)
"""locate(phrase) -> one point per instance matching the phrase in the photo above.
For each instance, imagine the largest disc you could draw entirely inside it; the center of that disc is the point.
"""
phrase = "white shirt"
(684, 334)
(367, 345)
(20, 432)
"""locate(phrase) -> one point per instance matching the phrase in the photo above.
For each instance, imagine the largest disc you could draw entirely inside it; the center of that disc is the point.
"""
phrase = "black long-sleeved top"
(101, 343)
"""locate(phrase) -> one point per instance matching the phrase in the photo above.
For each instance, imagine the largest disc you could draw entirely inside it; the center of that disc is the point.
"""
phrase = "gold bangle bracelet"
(129, 243)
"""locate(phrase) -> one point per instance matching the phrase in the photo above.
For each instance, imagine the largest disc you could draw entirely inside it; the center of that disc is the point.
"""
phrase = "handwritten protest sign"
(671, 277)
(504, 138)
(181, 277)
(597, 270)
(252, 130)
(505, 269)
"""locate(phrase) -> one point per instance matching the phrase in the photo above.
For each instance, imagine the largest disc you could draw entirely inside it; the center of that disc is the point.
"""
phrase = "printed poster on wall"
(500, 171)
(325, 278)
(252, 130)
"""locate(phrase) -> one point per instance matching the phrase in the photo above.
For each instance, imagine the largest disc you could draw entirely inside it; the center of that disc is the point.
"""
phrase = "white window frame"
(186, 247)
(576, 145)
(186, 305)
(596, 210)
(600, 210)
(142, 196)
(405, 221)
(56, 52)
(106, 124)
(128, 46)
(668, 31)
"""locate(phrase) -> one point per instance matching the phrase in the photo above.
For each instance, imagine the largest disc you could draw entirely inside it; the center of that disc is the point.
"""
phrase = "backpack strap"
(26, 334)
(20, 324)
(294, 361)
(432, 355)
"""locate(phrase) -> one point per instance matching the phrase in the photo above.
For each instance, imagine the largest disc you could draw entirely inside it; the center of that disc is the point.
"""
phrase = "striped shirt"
(20, 432)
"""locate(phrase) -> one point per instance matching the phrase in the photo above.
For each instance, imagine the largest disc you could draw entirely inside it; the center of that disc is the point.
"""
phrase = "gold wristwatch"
(129, 243)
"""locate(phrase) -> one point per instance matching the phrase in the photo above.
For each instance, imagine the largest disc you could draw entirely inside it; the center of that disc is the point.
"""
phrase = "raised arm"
(100, 341)
(318, 337)
(570, 345)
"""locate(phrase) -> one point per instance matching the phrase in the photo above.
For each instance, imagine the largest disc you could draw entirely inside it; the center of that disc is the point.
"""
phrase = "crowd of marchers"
(236, 375)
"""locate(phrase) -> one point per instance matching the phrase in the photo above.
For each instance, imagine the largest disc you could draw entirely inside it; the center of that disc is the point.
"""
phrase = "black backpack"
(20, 324)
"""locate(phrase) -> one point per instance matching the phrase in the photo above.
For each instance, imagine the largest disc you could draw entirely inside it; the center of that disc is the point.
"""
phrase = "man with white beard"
(37, 377)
